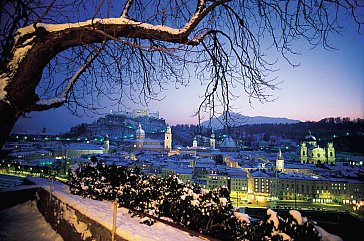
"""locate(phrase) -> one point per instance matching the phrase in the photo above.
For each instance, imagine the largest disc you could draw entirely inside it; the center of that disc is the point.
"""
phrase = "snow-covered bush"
(208, 212)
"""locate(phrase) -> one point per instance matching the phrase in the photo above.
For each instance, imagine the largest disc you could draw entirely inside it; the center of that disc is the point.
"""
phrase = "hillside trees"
(78, 52)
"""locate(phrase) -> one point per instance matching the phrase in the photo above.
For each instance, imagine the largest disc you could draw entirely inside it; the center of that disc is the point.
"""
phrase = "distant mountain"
(235, 119)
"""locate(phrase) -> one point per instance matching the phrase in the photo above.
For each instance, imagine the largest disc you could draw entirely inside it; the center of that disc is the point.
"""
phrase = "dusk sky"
(326, 84)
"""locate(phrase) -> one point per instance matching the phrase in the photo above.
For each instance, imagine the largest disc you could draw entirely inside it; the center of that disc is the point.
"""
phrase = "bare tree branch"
(46, 104)
(126, 9)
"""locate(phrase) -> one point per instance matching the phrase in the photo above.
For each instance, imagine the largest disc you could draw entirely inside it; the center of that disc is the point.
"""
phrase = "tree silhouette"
(77, 52)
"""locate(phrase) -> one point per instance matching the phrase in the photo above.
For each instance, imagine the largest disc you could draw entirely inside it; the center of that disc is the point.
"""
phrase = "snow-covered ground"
(24, 222)
(9, 181)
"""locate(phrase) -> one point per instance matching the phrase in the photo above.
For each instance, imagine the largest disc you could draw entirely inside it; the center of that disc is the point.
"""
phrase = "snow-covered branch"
(94, 31)
(200, 13)
(117, 27)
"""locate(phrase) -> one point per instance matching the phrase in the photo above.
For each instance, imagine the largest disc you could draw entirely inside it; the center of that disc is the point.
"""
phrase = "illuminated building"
(280, 162)
(141, 143)
(310, 152)
(168, 139)
(216, 181)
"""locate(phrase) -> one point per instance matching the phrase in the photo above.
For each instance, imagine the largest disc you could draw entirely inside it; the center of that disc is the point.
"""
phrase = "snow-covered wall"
(69, 222)
(78, 218)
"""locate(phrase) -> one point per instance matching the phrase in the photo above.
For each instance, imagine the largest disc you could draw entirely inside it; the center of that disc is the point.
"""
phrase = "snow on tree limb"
(3, 84)
(111, 28)
(18, 54)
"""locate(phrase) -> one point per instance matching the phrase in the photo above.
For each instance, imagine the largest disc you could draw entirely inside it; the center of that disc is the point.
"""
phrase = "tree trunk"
(8, 118)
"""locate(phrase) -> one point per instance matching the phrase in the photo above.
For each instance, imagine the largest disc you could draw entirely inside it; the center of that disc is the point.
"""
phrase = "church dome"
(140, 130)
(228, 143)
(140, 133)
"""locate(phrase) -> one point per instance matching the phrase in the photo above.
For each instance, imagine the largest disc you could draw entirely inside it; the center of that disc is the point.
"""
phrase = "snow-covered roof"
(228, 143)
(239, 177)
(205, 160)
(24, 153)
(146, 140)
(151, 146)
(81, 146)
(203, 165)
(294, 175)
(184, 171)
(78, 159)
(299, 165)
(260, 174)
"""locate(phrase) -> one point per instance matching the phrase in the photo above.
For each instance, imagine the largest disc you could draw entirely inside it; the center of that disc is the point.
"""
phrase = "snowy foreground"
(24, 222)
(102, 211)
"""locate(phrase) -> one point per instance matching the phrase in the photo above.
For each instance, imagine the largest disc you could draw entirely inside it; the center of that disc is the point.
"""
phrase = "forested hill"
(347, 135)
(324, 129)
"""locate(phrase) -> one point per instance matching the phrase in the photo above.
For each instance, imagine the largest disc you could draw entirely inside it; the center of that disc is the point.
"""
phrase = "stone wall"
(65, 220)
(69, 222)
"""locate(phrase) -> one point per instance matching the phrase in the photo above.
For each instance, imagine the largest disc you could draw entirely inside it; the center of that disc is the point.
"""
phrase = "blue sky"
(326, 84)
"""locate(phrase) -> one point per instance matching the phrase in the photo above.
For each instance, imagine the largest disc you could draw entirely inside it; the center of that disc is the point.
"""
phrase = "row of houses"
(261, 180)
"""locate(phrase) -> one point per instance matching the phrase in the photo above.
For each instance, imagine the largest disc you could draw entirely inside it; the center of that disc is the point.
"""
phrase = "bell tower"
(330, 153)
(280, 162)
(168, 139)
(303, 153)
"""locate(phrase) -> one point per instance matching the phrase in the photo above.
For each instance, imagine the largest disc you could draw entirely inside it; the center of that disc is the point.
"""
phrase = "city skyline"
(328, 83)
